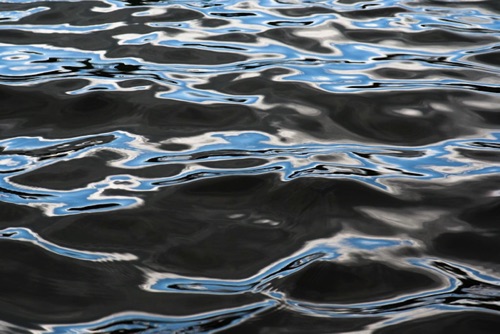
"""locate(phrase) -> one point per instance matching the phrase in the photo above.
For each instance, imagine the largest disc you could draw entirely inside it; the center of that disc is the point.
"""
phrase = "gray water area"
(267, 166)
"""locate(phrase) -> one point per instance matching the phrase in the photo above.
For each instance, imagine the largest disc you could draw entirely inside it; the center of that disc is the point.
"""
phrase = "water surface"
(249, 166)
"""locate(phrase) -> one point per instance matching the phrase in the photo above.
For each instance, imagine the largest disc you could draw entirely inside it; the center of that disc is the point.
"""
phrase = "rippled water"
(267, 166)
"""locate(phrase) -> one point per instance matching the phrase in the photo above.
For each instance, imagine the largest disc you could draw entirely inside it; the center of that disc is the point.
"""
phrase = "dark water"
(250, 167)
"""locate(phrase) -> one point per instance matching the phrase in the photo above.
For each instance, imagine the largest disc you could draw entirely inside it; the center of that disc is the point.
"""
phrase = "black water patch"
(325, 282)
(284, 321)
(453, 322)
(470, 246)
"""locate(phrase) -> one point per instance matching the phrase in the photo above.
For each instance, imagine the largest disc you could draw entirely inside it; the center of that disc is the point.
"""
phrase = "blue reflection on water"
(372, 165)
(340, 62)
(347, 66)
(150, 323)
(318, 250)
(26, 235)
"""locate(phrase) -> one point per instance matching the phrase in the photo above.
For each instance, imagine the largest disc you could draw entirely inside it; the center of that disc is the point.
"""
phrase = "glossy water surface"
(264, 166)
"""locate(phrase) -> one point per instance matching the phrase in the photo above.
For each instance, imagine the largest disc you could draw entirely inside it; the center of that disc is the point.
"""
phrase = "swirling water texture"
(249, 166)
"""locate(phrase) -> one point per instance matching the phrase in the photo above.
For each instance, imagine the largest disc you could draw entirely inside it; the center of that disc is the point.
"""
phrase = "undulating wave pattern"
(322, 44)
(266, 166)
(374, 165)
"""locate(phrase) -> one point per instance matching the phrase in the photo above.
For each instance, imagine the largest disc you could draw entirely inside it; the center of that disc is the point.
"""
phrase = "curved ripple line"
(16, 15)
(63, 28)
(318, 250)
(26, 235)
(467, 290)
(209, 322)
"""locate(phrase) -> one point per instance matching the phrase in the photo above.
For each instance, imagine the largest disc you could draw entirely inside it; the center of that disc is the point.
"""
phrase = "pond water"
(267, 166)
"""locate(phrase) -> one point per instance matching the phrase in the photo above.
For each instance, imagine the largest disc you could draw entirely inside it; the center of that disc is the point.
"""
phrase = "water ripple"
(319, 250)
(341, 64)
(24, 234)
(372, 165)
(150, 323)
(193, 166)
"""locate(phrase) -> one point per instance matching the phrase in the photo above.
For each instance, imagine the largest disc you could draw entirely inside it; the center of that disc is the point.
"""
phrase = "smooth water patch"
(249, 166)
